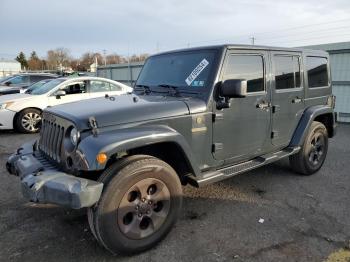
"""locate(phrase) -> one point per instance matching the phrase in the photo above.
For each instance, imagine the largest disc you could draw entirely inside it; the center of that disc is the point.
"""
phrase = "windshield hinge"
(93, 125)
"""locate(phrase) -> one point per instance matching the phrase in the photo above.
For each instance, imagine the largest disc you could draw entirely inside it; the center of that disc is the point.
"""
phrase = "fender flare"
(116, 141)
(306, 120)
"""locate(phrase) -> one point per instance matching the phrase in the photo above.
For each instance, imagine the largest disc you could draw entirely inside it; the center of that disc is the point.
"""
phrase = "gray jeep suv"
(196, 116)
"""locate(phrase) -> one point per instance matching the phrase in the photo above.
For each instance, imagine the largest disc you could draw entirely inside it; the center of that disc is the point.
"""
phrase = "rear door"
(99, 88)
(287, 96)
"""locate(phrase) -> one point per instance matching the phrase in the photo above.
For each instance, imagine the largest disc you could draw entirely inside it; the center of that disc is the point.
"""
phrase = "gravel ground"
(305, 218)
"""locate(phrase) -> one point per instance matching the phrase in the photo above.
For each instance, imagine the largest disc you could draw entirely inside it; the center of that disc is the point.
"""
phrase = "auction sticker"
(196, 72)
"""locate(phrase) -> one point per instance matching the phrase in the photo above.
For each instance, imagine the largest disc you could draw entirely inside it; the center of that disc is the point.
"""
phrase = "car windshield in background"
(47, 87)
(5, 79)
(31, 88)
(183, 69)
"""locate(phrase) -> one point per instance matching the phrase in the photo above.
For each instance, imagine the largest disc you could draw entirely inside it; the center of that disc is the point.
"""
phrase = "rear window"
(317, 71)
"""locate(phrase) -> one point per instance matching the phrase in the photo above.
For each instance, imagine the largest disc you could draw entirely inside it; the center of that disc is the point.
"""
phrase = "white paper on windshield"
(196, 72)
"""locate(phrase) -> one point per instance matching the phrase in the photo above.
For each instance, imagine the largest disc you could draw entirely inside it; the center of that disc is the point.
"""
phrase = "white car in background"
(22, 112)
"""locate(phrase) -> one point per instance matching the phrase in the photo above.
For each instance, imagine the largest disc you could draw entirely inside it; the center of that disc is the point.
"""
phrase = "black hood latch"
(93, 125)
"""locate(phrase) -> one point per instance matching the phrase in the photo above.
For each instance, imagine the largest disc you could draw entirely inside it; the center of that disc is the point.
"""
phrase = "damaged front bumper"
(43, 183)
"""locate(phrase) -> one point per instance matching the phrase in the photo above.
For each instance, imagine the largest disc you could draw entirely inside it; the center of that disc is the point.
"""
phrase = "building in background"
(126, 73)
(340, 69)
(9, 67)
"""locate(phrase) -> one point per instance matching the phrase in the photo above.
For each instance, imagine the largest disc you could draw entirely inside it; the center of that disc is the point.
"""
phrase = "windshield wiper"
(177, 92)
(171, 87)
(145, 88)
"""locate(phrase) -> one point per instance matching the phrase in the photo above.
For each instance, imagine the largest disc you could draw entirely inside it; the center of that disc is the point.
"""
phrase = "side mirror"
(8, 83)
(60, 93)
(233, 88)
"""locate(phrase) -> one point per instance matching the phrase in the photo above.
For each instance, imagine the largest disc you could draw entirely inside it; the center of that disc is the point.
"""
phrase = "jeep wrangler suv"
(196, 116)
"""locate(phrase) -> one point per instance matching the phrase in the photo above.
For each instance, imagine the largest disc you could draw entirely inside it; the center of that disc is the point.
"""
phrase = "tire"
(140, 202)
(28, 121)
(313, 152)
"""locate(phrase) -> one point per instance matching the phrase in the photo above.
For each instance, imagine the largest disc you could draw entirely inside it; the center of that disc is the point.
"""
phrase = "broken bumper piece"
(44, 184)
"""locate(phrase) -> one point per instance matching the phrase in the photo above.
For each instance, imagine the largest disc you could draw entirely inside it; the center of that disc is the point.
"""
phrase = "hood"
(9, 90)
(122, 109)
(14, 97)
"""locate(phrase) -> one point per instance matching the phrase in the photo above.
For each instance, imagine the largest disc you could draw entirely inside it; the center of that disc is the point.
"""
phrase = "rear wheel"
(28, 121)
(313, 152)
(141, 201)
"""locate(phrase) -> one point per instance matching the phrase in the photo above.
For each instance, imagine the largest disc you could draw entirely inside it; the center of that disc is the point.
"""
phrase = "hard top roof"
(248, 47)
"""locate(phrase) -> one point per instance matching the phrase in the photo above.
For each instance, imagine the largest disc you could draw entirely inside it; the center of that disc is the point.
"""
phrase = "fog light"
(101, 158)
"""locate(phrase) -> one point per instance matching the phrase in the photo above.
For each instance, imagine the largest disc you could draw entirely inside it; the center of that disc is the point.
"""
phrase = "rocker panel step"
(230, 171)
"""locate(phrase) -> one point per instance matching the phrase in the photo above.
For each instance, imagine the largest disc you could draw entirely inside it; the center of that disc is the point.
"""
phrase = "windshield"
(47, 87)
(30, 89)
(190, 70)
(5, 79)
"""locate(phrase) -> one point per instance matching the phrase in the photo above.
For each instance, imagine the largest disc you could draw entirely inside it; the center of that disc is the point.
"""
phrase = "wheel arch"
(159, 141)
(327, 120)
(323, 114)
(169, 152)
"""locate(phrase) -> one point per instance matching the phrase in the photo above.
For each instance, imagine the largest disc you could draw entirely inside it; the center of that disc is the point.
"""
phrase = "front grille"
(51, 138)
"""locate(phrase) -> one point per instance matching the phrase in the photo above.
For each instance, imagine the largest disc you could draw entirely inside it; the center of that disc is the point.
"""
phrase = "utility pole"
(104, 55)
(253, 40)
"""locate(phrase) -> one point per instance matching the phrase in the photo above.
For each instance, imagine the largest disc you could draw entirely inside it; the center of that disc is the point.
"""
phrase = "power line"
(309, 32)
(268, 32)
(303, 39)
(304, 26)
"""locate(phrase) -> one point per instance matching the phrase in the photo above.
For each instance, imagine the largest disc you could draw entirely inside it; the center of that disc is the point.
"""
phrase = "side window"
(248, 67)
(317, 71)
(287, 71)
(115, 87)
(99, 86)
(76, 88)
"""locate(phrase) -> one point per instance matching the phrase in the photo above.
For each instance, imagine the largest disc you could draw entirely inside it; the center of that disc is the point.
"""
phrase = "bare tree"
(35, 63)
(59, 57)
(138, 58)
(115, 59)
(83, 64)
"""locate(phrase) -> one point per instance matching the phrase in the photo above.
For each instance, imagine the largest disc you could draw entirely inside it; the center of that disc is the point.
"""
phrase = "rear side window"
(287, 71)
(248, 67)
(317, 71)
(115, 87)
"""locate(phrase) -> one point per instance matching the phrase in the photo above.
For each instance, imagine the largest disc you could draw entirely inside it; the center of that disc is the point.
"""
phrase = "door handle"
(297, 100)
(263, 106)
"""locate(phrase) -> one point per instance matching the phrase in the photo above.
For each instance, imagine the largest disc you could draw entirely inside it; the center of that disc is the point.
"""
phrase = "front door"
(242, 130)
(75, 91)
(287, 96)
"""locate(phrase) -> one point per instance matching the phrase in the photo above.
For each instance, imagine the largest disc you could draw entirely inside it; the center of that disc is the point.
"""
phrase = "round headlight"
(74, 136)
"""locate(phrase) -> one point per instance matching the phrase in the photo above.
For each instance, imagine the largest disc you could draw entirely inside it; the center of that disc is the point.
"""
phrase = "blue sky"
(140, 26)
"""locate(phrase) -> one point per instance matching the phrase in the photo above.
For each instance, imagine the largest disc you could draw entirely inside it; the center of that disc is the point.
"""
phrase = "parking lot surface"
(301, 218)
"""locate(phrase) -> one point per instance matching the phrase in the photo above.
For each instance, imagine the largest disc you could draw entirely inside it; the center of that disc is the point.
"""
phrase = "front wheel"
(313, 152)
(140, 203)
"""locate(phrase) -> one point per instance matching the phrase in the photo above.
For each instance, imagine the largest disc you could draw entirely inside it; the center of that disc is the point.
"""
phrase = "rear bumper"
(43, 183)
